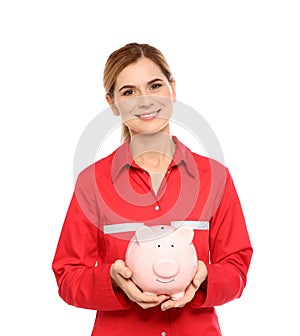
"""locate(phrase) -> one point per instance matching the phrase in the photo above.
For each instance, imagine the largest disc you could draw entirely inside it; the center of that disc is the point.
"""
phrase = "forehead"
(143, 71)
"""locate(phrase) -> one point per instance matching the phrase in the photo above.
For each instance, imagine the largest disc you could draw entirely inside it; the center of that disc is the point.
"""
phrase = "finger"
(188, 296)
(173, 304)
(143, 298)
(138, 296)
(162, 298)
(145, 305)
(196, 282)
(200, 275)
(122, 269)
(167, 305)
(146, 298)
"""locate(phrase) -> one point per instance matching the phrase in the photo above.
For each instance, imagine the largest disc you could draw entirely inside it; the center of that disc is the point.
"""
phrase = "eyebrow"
(148, 83)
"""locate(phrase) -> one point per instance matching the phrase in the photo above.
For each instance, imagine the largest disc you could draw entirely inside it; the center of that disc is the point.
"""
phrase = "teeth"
(148, 115)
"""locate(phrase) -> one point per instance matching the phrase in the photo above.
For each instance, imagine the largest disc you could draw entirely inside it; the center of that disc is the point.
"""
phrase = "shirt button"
(163, 333)
(156, 207)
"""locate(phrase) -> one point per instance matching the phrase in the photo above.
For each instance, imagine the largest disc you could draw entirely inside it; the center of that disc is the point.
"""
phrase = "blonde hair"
(121, 58)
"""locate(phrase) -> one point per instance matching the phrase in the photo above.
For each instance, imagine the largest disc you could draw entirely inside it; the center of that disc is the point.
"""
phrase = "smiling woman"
(143, 97)
(155, 180)
(138, 71)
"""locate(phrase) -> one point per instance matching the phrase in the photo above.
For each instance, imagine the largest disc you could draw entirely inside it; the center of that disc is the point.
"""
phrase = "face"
(143, 97)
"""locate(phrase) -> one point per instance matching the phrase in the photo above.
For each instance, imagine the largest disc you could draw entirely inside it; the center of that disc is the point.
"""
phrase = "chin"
(150, 129)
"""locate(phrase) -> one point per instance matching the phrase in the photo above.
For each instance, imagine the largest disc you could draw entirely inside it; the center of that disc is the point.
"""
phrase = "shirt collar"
(182, 157)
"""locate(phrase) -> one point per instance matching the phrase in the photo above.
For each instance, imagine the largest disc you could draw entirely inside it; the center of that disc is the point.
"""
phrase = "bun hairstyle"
(121, 58)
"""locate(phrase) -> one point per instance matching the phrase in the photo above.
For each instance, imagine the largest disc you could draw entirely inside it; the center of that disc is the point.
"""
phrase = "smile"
(148, 116)
(168, 281)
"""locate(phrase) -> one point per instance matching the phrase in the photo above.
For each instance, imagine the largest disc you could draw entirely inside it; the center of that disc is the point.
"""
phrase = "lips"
(148, 115)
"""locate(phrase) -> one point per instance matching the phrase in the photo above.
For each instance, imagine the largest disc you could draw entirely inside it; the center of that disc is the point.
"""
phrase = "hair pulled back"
(126, 55)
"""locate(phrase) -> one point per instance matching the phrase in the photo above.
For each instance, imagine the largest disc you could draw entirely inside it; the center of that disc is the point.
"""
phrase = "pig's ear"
(143, 233)
(185, 233)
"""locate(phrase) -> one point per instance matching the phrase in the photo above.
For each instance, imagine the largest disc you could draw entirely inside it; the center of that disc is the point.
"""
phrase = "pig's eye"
(172, 245)
(158, 245)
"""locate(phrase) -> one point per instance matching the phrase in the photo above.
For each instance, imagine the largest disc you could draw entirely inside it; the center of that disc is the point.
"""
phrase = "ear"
(185, 233)
(143, 233)
(173, 86)
(112, 105)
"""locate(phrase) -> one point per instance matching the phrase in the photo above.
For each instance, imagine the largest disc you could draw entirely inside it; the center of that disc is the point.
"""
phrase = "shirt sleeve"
(230, 252)
(83, 280)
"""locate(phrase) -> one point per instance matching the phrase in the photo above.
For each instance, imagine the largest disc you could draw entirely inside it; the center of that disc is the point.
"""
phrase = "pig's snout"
(166, 268)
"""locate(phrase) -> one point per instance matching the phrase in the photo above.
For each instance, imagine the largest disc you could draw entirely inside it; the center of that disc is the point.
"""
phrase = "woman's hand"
(200, 276)
(121, 277)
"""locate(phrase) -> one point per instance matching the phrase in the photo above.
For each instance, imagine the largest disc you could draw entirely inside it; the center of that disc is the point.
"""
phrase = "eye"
(155, 86)
(172, 245)
(128, 92)
(158, 245)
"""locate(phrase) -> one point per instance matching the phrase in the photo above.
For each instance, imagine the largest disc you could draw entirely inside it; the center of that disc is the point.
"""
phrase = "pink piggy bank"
(163, 259)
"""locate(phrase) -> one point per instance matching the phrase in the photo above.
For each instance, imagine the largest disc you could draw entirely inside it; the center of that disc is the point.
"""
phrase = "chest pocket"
(201, 237)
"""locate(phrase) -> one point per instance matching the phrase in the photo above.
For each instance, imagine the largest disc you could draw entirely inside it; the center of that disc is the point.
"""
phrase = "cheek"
(125, 109)
(163, 100)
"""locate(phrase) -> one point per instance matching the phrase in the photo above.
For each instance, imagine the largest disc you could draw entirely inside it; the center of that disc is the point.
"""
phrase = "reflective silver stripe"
(119, 228)
(132, 227)
(196, 225)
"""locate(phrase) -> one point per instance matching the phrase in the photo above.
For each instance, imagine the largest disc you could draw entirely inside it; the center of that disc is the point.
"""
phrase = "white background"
(236, 62)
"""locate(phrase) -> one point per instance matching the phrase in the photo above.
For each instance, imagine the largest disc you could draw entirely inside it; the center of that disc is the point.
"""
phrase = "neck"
(153, 151)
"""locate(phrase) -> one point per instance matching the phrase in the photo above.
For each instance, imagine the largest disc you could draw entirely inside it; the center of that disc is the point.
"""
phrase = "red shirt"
(111, 198)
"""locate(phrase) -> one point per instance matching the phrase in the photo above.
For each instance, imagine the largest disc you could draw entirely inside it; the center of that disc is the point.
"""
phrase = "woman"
(152, 178)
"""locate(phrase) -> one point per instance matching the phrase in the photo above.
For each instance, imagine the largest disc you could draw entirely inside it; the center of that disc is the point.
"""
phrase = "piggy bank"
(162, 259)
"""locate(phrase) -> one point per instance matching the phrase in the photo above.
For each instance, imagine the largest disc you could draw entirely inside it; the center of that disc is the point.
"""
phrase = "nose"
(166, 268)
(145, 101)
